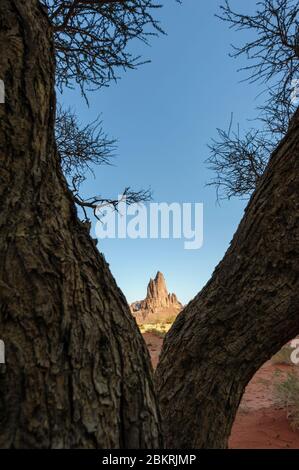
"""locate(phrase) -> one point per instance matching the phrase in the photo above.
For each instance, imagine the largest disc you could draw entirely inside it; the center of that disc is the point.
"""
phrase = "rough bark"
(245, 313)
(77, 371)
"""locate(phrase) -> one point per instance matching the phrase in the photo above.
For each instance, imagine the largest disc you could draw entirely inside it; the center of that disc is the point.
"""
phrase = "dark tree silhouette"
(80, 148)
(238, 161)
(273, 53)
(92, 38)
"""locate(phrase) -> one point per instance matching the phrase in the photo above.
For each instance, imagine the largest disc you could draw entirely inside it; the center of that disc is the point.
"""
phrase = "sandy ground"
(260, 423)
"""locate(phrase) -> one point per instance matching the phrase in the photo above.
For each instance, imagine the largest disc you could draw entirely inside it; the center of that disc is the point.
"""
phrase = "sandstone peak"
(158, 305)
(157, 287)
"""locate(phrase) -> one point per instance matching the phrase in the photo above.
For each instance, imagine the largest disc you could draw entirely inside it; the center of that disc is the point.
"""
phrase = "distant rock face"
(159, 305)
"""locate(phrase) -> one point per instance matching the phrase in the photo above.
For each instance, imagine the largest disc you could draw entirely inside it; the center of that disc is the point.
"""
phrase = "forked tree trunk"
(77, 371)
(246, 312)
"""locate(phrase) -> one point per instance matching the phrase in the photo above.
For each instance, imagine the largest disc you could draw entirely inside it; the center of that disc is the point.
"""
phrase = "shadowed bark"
(247, 312)
(77, 371)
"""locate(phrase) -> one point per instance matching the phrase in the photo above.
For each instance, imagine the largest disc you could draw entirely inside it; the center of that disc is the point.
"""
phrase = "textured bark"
(78, 373)
(245, 313)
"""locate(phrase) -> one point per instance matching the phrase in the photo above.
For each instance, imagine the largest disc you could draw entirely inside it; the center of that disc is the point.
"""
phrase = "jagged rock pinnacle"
(159, 305)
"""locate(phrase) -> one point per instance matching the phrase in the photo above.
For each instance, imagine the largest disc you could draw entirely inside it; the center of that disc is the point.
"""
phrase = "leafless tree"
(238, 161)
(98, 203)
(81, 147)
(92, 40)
(273, 54)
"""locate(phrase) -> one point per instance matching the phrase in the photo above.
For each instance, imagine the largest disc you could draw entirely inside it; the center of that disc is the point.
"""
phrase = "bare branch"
(238, 161)
(80, 148)
(98, 203)
(274, 53)
(92, 38)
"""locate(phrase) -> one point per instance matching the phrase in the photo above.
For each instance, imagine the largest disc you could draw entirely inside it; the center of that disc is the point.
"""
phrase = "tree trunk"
(245, 314)
(77, 371)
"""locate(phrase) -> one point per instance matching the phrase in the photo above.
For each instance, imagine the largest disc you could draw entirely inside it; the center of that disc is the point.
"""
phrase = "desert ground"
(261, 422)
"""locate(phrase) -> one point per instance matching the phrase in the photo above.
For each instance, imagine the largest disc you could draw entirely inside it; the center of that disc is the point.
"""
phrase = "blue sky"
(163, 116)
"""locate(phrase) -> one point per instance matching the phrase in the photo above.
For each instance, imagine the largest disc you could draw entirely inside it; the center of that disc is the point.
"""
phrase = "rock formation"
(158, 306)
